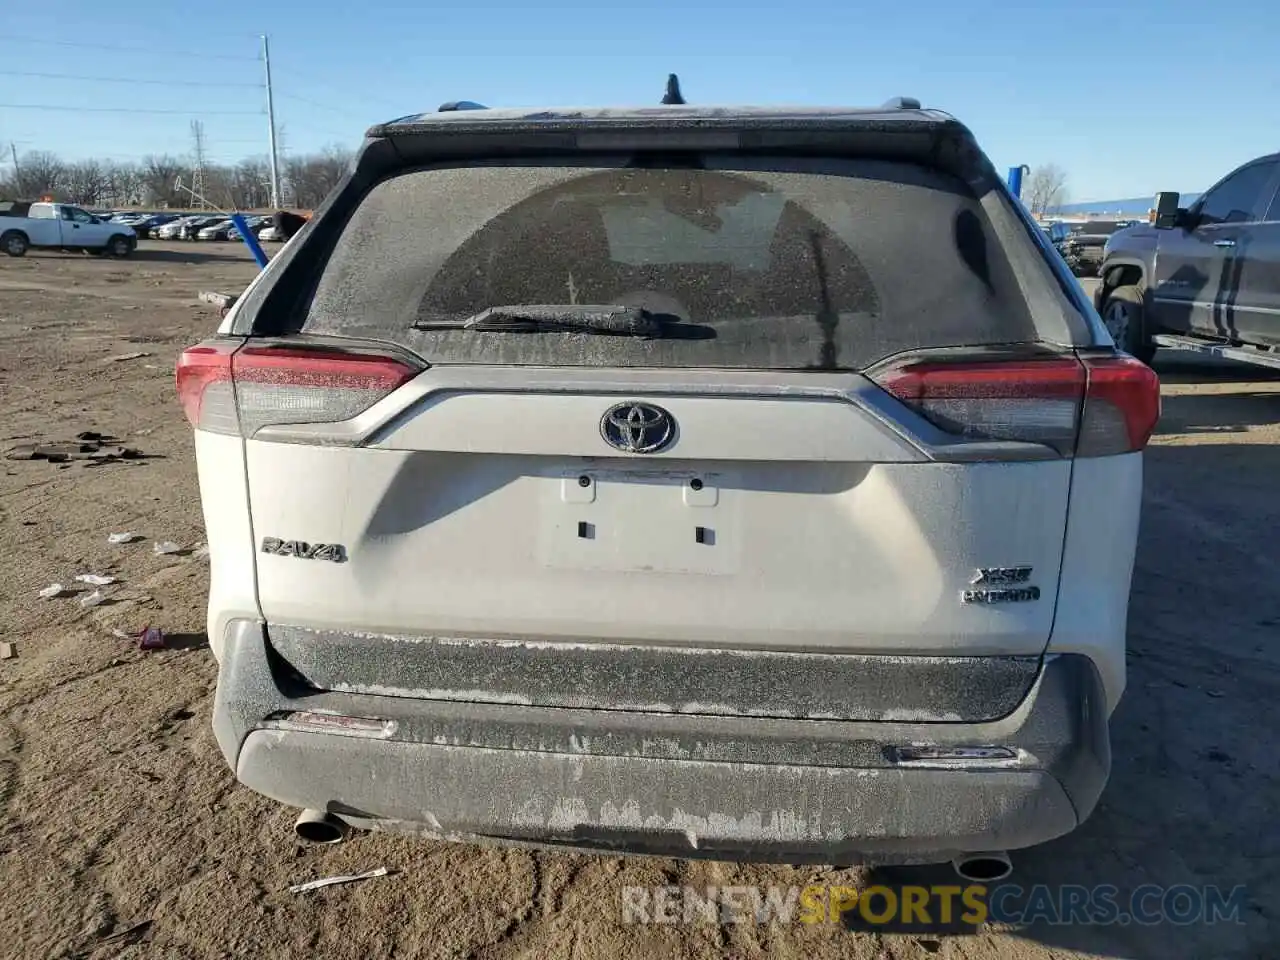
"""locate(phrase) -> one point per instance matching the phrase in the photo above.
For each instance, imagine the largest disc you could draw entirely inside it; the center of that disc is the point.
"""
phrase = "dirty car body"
(712, 482)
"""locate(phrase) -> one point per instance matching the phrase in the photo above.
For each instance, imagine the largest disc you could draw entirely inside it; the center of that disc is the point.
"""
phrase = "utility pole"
(271, 124)
(17, 174)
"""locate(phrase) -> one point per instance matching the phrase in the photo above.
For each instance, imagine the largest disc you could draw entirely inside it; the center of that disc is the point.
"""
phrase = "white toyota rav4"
(736, 483)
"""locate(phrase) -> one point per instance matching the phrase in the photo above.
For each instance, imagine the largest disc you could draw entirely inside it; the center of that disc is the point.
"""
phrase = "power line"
(162, 83)
(151, 50)
(203, 113)
(324, 106)
(297, 78)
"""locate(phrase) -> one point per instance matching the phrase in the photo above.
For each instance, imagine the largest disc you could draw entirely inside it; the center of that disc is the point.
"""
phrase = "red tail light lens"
(1089, 407)
(1035, 401)
(1122, 406)
(225, 390)
(200, 367)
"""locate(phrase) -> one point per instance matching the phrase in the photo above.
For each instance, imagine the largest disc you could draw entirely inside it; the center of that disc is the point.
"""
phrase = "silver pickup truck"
(1204, 277)
(60, 226)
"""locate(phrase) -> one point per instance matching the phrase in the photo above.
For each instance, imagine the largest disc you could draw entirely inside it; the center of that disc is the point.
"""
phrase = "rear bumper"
(677, 785)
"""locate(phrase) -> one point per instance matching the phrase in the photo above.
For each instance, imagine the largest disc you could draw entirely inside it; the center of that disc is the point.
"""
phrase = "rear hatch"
(699, 431)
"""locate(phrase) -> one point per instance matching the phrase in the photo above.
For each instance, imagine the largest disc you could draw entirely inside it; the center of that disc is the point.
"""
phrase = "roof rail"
(461, 105)
(902, 103)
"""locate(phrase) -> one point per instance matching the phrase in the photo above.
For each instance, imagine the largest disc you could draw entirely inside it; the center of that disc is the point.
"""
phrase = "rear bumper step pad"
(656, 679)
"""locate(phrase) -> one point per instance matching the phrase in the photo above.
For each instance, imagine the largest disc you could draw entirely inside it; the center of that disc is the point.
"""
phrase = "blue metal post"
(1015, 181)
(250, 240)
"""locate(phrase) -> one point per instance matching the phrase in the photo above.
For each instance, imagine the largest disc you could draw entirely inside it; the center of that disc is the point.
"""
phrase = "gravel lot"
(122, 834)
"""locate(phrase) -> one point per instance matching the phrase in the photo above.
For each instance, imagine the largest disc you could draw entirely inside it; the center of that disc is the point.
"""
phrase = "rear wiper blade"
(609, 319)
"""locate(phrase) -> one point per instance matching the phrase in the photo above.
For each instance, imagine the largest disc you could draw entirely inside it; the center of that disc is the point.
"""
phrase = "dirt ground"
(122, 833)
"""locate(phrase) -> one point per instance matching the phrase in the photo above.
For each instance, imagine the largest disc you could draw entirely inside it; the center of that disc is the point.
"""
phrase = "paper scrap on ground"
(166, 547)
(51, 591)
(122, 537)
(95, 579)
(330, 881)
(93, 599)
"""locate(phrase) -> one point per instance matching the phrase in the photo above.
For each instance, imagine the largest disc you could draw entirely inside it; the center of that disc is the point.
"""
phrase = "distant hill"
(1131, 206)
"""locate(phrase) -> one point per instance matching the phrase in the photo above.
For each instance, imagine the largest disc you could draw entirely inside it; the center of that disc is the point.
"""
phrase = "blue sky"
(1128, 97)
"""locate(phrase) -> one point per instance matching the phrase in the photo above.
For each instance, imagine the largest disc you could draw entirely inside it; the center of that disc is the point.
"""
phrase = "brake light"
(1090, 407)
(1036, 401)
(1121, 407)
(225, 388)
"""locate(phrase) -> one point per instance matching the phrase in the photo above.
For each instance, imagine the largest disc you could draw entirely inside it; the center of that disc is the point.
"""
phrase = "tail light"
(226, 388)
(1121, 407)
(1090, 407)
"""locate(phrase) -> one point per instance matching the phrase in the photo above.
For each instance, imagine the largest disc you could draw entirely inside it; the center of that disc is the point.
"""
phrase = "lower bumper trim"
(721, 787)
(639, 804)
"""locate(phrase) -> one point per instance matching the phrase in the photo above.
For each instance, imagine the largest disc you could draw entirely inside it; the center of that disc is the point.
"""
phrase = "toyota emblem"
(637, 427)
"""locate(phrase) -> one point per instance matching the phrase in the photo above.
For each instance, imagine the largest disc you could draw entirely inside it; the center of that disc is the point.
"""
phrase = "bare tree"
(84, 182)
(306, 179)
(158, 177)
(252, 183)
(311, 178)
(40, 172)
(1046, 189)
(124, 184)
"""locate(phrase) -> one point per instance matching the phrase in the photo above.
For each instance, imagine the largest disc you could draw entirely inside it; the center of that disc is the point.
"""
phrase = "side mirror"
(1167, 213)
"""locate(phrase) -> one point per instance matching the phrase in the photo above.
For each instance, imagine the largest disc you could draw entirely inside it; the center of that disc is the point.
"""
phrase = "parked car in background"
(255, 224)
(61, 226)
(146, 224)
(191, 226)
(218, 230)
(1058, 231)
(1083, 244)
(1209, 272)
(270, 234)
(174, 228)
(775, 501)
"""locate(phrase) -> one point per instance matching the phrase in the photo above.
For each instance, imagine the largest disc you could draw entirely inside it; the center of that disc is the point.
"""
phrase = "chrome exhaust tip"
(316, 826)
(990, 866)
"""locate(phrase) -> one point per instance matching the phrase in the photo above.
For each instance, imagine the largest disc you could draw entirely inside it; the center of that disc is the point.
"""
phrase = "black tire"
(15, 243)
(1122, 312)
(119, 246)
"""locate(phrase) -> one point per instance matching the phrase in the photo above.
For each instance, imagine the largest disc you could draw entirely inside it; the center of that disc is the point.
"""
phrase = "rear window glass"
(779, 264)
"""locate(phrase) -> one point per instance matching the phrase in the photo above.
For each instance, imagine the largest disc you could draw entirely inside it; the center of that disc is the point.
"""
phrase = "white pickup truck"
(60, 226)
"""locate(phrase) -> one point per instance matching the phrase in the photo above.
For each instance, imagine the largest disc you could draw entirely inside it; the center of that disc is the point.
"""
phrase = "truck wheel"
(1122, 313)
(119, 246)
(15, 243)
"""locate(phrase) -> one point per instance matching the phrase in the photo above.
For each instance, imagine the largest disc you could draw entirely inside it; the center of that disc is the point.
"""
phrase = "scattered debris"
(223, 301)
(8, 651)
(119, 358)
(132, 934)
(123, 537)
(201, 551)
(166, 547)
(88, 445)
(93, 599)
(121, 634)
(330, 881)
(95, 579)
(51, 591)
(152, 638)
